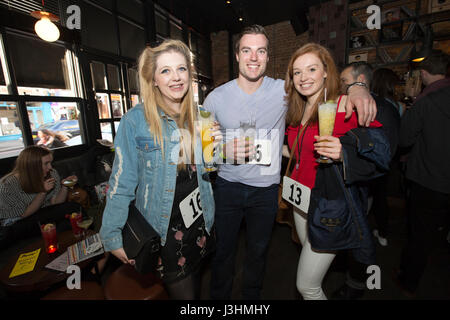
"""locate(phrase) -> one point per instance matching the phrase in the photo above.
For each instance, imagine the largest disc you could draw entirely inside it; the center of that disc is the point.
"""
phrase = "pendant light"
(427, 46)
(45, 28)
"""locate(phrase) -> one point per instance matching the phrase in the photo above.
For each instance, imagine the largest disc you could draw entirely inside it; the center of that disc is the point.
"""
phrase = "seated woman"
(51, 140)
(33, 194)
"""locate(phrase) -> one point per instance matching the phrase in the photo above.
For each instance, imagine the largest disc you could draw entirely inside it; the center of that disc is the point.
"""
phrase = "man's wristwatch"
(362, 84)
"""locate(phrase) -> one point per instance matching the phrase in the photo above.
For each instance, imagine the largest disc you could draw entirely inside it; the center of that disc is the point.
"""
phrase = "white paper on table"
(60, 263)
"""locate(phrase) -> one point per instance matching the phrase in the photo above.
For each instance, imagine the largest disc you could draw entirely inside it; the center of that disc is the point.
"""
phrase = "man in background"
(426, 128)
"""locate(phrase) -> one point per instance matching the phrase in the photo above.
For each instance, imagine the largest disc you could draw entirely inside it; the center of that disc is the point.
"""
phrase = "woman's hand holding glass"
(70, 181)
(328, 146)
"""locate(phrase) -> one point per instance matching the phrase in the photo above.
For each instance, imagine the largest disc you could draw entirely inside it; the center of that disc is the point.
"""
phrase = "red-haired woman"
(311, 79)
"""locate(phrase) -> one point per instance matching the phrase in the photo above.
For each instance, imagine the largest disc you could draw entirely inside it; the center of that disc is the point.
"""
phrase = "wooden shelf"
(395, 49)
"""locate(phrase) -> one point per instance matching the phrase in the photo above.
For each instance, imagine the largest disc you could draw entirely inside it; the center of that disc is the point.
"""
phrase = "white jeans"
(312, 266)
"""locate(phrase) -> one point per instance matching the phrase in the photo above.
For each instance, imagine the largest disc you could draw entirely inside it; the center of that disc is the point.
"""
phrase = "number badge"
(263, 153)
(296, 193)
(191, 208)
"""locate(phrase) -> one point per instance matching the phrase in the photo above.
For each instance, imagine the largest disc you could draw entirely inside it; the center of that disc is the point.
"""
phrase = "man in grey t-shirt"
(250, 191)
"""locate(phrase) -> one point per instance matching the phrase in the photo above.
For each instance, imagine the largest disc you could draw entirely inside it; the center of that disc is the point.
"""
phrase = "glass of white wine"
(84, 223)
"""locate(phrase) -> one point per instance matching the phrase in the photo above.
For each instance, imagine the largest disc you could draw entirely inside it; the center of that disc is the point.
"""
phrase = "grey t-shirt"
(266, 105)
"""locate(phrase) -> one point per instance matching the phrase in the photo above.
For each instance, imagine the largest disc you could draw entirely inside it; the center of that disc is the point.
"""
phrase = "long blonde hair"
(154, 102)
(296, 102)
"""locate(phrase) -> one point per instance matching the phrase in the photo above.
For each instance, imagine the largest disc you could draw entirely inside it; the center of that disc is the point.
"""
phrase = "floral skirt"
(185, 248)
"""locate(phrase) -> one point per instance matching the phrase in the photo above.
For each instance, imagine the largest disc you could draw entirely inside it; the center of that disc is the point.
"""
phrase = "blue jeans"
(258, 205)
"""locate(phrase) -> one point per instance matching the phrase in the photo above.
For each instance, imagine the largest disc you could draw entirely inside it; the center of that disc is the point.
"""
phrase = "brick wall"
(220, 58)
(328, 24)
(283, 42)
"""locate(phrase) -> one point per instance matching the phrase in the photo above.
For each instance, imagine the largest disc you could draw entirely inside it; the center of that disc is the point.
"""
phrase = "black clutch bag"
(140, 241)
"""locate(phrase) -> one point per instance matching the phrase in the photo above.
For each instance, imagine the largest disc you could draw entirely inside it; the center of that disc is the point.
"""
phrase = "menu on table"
(85, 249)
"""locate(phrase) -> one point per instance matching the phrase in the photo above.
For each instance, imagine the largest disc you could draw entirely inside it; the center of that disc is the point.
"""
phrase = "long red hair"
(297, 102)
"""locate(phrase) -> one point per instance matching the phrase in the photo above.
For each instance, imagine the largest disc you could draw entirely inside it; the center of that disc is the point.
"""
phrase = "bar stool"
(126, 283)
(90, 290)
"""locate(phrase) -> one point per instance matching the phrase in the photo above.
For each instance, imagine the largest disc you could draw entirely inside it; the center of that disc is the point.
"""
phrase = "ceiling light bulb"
(240, 19)
(46, 30)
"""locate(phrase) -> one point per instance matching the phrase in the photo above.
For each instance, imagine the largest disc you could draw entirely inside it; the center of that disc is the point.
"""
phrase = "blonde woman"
(158, 163)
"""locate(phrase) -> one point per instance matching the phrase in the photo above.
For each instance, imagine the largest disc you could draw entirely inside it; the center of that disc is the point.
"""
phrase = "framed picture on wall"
(357, 41)
(391, 32)
(356, 57)
(390, 15)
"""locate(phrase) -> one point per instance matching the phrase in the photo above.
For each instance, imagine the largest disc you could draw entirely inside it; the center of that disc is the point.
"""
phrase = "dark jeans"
(428, 227)
(258, 206)
(29, 226)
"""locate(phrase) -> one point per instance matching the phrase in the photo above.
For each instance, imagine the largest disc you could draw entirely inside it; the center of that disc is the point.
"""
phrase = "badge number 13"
(296, 193)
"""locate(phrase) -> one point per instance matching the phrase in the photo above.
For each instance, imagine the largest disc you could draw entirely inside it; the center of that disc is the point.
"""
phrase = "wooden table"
(40, 278)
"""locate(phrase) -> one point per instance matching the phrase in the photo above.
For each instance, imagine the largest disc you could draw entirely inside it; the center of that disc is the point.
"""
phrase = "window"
(110, 96)
(133, 9)
(132, 38)
(101, 36)
(66, 127)
(114, 77)
(43, 73)
(133, 81)
(193, 41)
(11, 142)
(162, 27)
(175, 31)
(3, 88)
(46, 94)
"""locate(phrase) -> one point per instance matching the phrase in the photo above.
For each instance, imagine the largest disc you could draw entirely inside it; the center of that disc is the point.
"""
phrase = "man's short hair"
(253, 29)
(436, 63)
(361, 67)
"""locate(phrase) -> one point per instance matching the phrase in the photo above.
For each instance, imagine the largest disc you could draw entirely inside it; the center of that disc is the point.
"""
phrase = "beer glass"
(248, 130)
(327, 115)
(207, 120)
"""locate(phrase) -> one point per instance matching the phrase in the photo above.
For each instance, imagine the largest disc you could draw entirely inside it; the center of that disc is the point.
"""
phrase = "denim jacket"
(141, 172)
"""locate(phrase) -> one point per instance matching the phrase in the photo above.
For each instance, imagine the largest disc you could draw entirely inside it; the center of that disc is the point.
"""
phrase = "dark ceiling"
(216, 15)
